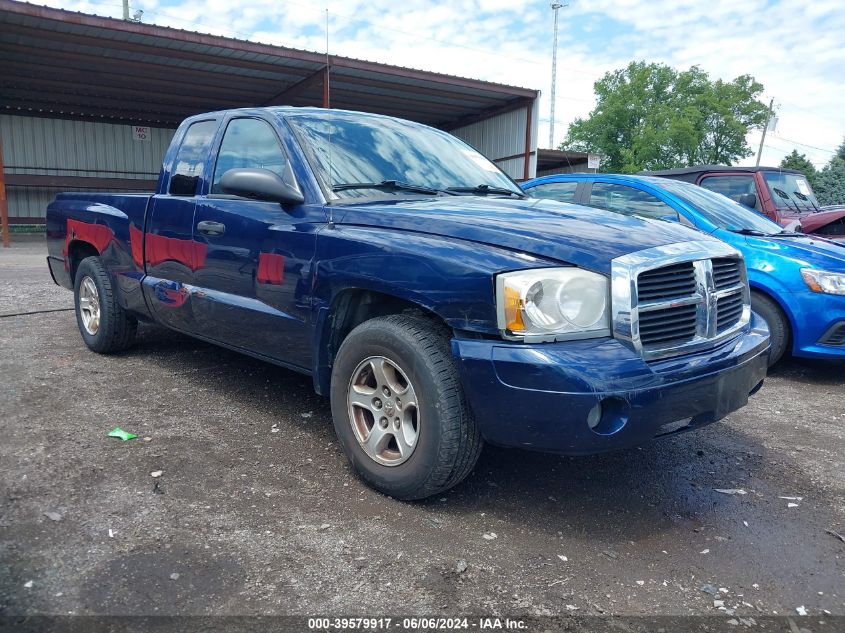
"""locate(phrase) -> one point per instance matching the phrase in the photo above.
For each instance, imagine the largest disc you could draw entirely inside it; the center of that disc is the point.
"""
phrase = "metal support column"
(4, 203)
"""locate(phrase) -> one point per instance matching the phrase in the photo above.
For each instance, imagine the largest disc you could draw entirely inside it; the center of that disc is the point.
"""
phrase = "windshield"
(719, 210)
(358, 149)
(791, 191)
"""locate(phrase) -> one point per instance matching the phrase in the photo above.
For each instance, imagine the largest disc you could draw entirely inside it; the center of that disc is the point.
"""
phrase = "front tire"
(399, 409)
(778, 325)
(104, 325)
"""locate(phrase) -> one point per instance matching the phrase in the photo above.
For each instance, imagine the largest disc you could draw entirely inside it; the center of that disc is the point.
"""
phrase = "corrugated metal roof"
(64, 63)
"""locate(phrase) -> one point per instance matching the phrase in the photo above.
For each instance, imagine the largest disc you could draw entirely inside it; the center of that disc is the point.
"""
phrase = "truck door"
(170, 254)
(254, 286)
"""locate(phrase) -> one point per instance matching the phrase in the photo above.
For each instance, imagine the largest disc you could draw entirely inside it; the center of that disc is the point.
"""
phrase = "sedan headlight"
(552, 304)
(824, 281)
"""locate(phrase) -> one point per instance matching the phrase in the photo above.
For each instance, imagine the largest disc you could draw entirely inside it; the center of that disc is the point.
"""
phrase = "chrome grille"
(726, 273)
(668, 325)
(679, 298)
(662, 283)
(728, 312)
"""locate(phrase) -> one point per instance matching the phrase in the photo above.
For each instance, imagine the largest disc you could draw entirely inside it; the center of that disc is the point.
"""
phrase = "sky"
(794, 49)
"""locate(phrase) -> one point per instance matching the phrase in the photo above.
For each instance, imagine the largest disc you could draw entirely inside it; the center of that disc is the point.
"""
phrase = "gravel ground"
(257, 512)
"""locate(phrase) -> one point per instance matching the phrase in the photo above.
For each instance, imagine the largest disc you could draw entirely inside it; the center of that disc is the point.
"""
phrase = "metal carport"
(65, 71)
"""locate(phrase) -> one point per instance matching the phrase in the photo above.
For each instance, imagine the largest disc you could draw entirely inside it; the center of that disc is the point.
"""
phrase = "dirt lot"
(257, 512)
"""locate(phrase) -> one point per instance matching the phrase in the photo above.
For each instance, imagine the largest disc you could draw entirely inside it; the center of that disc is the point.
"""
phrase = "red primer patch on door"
(136, 243)
(271, 269)
(160, 249)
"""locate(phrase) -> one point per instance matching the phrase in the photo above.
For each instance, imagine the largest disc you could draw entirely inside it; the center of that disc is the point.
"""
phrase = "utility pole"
(765, 127)
(555, 7)
(126, 10)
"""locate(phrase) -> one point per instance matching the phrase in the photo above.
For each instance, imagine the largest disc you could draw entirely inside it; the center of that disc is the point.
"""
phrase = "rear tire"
(437, 442)
(778, 325)
(104, 325)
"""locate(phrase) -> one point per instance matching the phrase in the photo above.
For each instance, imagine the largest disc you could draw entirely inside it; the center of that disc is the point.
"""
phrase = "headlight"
(824, 281)
(551, 304)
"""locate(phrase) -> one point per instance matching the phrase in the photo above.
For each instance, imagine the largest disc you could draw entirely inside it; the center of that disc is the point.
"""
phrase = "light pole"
(765, 128)
(555, 7)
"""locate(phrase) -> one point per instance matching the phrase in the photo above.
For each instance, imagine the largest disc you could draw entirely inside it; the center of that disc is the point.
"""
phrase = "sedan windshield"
(720, 210)
(364, 156)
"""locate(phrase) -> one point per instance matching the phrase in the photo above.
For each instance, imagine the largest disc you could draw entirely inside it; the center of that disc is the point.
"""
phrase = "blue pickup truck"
(430, 299)
(797, 281)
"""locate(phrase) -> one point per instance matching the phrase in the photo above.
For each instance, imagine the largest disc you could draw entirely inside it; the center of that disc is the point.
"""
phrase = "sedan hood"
(574, 234)
(809, 251)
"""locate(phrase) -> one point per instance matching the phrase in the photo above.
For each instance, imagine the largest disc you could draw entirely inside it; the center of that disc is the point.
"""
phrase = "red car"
(782, 195)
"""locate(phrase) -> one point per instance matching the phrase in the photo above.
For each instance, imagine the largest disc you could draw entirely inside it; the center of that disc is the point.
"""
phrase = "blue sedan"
(797, 281)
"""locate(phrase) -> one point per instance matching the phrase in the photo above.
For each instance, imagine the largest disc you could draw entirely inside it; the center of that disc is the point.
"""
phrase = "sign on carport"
(140, 133)
(593, 161)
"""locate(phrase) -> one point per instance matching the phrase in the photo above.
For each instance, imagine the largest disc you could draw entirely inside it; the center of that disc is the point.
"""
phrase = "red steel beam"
(4, 204)
(14, 85)
(178, 90)
(312, 80)
(63, 100)
(529, 109)
(129, 67)
(487, 113)
(141, 48)
(83, 108)
(82, 116)
(171, 82)
(341, 77)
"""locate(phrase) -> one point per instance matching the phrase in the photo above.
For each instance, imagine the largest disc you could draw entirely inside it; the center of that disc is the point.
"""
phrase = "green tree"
(829, 184)
(651, 116)
(801, 163)
(840, 151)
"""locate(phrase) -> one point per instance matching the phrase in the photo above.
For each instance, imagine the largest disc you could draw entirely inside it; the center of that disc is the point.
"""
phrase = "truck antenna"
(327, 104)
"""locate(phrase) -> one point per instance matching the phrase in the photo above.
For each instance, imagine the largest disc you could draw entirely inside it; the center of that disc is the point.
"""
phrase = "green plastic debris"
(120, 433)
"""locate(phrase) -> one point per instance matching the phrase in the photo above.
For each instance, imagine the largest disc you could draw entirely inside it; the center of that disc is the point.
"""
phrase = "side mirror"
(748, 199)
(259, 184)
(672, 217)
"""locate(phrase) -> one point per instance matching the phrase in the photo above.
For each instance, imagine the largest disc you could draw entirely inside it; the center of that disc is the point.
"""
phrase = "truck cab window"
(630, 201)
(187, 168)
(560, 191)
(250, 143)
(733, 187)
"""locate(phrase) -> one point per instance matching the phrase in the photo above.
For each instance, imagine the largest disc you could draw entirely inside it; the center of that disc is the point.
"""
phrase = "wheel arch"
(77, 250)
(775, 298)
(349, 308)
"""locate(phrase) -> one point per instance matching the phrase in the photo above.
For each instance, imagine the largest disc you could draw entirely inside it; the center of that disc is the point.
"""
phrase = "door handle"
(211, 228)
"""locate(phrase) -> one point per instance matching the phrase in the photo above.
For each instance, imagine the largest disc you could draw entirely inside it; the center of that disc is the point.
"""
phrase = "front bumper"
(541, 396)
(814, 317)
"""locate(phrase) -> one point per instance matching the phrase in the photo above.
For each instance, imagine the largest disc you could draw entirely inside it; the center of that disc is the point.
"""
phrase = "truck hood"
(578, 235)
(815, 221)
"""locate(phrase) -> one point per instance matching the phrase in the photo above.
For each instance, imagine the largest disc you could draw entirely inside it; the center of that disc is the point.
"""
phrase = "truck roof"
(282, 110)
(701, 169)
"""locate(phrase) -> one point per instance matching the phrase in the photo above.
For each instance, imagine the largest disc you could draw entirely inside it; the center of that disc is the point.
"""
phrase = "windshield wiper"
(755, 232)
(786, 197)
(483, 190)
(388, 185)
(804, 198)
(745, 231)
